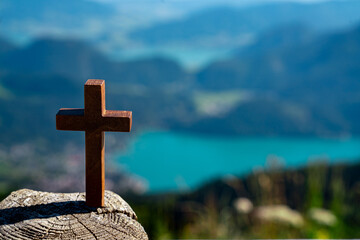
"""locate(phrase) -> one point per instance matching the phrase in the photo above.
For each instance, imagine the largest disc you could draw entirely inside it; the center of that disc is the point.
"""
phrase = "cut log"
(28, 214)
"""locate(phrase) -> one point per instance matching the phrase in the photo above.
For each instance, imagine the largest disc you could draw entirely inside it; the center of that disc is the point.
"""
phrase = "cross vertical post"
(94, 119)
(95, 168)
(94, 101)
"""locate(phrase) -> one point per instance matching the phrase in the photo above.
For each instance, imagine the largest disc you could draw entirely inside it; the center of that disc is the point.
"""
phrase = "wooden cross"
(94, 119)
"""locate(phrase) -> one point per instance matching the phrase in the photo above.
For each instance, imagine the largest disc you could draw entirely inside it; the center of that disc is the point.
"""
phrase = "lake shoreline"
(171, 161)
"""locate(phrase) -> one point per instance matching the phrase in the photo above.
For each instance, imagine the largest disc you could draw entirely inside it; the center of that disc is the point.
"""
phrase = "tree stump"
(28, 214)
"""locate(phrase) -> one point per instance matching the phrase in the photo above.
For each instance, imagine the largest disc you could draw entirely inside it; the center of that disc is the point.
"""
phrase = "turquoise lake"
(177, 161)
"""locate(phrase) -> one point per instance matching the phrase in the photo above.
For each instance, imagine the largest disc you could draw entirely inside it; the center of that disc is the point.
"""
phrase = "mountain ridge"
(291, 94)
(254, 20)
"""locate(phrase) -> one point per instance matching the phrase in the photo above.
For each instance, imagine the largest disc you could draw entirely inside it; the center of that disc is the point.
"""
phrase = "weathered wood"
(28, 214)
(94, 119)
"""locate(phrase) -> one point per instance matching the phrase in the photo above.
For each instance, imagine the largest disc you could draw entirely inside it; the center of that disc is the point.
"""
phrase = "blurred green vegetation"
(318, 201)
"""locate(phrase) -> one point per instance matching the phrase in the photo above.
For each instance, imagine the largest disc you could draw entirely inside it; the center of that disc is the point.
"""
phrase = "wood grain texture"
(28, 214)
(94, 119)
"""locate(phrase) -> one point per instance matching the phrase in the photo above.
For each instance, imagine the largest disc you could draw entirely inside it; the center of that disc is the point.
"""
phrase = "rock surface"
(28, 214)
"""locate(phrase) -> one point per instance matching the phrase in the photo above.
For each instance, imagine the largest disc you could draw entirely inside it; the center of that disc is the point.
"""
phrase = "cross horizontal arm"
(116, 121)
(71, 119)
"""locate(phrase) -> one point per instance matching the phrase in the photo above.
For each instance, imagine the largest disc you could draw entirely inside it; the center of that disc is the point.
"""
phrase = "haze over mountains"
(128, 30)
(308, 87)
(231, 26)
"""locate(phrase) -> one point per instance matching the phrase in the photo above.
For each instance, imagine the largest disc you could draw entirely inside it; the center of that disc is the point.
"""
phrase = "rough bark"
(28, 214)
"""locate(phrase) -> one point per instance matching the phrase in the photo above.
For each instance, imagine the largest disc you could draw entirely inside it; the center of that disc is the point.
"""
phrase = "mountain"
(287, 85)
(48, 74)
(326, 63)
(70, 58)
(77, 60)
(312, 87)
(230, 25)
(325, 67)
(277, 39)
(209, 33)
(6, 46)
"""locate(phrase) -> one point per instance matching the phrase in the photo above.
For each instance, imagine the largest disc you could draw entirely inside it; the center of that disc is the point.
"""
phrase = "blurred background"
(246, 113)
